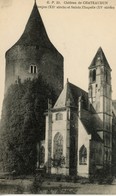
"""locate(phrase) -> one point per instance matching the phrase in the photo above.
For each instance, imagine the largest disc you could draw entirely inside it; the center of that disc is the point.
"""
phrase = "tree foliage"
(23, 124)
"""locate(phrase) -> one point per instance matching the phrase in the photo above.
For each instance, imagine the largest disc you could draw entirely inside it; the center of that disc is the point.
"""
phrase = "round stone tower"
(34, 54)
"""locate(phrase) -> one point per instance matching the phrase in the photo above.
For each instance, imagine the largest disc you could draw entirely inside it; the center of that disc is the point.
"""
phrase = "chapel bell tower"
(100, 96)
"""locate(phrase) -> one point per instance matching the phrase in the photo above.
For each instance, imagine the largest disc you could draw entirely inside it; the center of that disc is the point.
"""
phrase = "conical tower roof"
(35, 32)
(99, 57)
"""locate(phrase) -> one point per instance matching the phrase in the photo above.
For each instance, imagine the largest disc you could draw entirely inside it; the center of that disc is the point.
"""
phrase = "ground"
(11, 186)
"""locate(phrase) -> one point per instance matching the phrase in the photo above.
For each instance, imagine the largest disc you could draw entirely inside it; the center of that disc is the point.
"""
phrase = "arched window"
(106, 156)
(83, 155)
(33, 69)
(90, 91)
(58, 146)
(107, 78)
(59, 116)
(94, 75)
(107, 140)
(90, 73)
(42, 155)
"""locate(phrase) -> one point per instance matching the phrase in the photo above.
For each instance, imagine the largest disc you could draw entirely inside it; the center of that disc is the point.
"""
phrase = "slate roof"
(92, 124)
(89, 118)
(100, 56)
(72, 93)
(35, 33)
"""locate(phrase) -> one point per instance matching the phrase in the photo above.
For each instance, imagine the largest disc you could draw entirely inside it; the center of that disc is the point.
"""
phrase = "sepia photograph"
(58, 97)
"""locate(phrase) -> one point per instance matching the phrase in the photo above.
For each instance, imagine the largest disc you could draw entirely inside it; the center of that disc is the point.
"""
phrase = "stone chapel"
(80, 133)
(80, 127)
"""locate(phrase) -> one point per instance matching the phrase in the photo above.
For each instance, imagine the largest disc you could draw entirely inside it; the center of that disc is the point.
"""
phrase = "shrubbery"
(102, 176)
(22, 124)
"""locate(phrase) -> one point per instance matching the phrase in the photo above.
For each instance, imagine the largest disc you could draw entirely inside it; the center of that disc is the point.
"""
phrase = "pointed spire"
(99, 58)
(35, 32)
(35, 2)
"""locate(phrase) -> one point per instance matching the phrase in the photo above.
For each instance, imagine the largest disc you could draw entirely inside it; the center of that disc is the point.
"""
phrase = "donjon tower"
(34, 54)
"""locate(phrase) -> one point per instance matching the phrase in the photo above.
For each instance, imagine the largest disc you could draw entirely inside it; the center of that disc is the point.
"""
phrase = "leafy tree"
(23, 124)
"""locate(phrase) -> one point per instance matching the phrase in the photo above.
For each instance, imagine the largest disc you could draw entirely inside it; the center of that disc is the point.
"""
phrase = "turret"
(100, 96)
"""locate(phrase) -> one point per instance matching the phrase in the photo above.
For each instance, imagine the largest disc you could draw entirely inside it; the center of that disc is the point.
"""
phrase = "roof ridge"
(78, 87)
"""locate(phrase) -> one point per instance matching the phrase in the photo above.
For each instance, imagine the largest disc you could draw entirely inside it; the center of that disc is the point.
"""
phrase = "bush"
(91, 179)
(102, 175)
(22, 124)
(68, 178)
(100, 180)
(58, 178)
(36, 185)
(109, 180)
(49, 191)
(61, 190)
(20, 188)
(75, 179)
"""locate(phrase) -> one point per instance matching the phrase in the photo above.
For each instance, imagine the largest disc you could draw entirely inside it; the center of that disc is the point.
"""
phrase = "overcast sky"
(77, 34)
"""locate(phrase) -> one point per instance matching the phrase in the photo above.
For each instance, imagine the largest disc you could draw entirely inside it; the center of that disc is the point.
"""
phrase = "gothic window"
(106, 156)
(42, 155)
(58, 146)
(33, 69)
(94, 75)
(109, 155)
(59, 116)
(90, 91)
(107, 140)
(83, 155)
(90, 73)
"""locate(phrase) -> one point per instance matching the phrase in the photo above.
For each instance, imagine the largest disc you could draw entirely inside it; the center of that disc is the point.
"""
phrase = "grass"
(38, 185)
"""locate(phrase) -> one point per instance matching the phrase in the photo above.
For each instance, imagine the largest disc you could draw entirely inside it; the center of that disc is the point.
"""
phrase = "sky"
(76, 33)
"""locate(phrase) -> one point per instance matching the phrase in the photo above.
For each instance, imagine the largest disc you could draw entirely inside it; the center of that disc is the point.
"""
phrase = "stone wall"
(49, 64)
(83, 139)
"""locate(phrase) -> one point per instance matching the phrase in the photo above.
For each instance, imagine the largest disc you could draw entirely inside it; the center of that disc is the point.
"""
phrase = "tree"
(23, 124)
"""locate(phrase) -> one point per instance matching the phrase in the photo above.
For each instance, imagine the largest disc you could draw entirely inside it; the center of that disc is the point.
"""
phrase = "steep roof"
(92, 124)
(89, 117)
(35, 32)
(100, 56)
(70, 93)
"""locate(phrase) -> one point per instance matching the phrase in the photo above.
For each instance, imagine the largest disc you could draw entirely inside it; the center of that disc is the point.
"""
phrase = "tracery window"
(83, 155)
(42, 155)
(107, 142)
(106, 156)
(107, 77)
(94, 75)
(90, 73)
(58, 146)
(59, 116)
